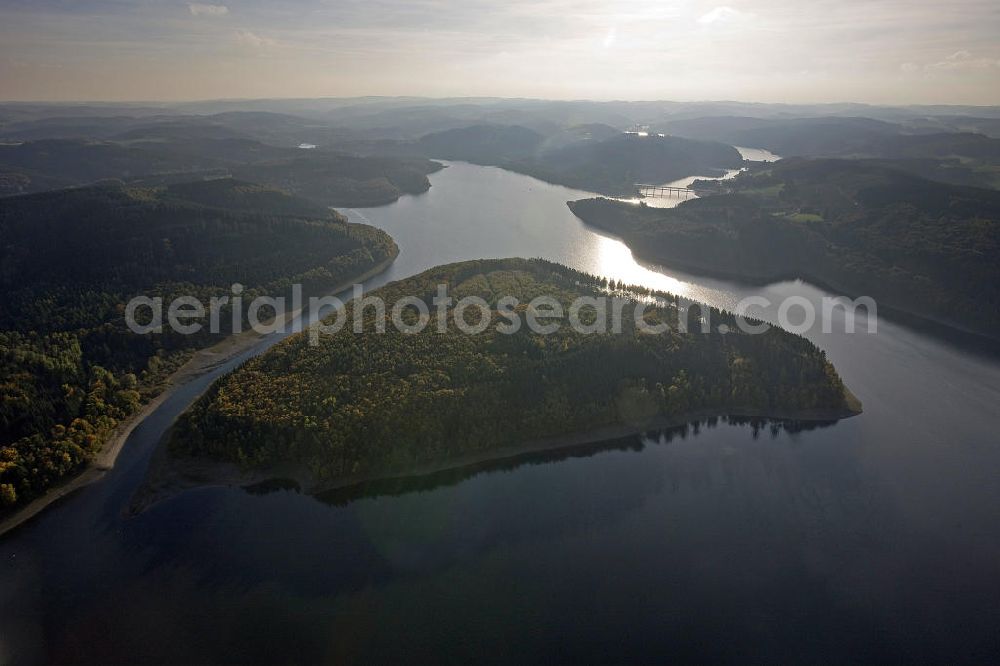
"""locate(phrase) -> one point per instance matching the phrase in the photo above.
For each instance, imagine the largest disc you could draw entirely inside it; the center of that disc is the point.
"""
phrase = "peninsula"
(363, 406)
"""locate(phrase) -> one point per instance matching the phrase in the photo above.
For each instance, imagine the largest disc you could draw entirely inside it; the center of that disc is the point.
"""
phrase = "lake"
(874, 539)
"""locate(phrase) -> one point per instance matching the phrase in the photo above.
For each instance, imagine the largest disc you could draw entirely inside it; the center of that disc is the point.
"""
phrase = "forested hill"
(237, 195)
(919, 246)
(381, 404)
(71, 259)
(839, 137)
(330, 178)
(588, 160)
(960, 158)
(482, 144)
(336, 179)
(613, 166)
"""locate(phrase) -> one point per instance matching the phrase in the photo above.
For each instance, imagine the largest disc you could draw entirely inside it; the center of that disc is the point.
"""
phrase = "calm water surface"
(876, 538)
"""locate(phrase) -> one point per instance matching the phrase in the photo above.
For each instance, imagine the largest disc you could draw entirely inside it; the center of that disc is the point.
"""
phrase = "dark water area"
(876, 538)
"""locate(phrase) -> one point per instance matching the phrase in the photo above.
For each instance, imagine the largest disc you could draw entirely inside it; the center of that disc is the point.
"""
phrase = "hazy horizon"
(473, 98)
(767, 51)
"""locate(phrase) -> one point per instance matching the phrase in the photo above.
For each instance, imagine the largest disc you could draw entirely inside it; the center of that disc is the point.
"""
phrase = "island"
(361, 406)
(73, 375)
(857, 227)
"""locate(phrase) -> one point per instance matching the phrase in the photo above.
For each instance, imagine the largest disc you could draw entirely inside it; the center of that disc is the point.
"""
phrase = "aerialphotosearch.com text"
(472, 315)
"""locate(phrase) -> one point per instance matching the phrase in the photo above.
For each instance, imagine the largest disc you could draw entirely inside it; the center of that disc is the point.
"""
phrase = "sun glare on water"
(615, 261)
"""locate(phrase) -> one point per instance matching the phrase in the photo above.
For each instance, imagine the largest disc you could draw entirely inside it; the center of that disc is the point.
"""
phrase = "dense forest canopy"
(362, 405)
(615, 165)
(165, 154)
(70, 261)
(341, 179)
(482, 144)
(589, 158)
(928, 147)
(925, 247)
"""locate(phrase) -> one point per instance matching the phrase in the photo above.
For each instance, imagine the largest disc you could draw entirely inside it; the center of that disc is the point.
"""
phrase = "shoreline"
(925, 322)
(582, 187)
(168, 476)
(201, 362)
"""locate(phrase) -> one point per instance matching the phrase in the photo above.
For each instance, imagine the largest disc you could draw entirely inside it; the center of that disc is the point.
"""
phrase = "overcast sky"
(881, 51)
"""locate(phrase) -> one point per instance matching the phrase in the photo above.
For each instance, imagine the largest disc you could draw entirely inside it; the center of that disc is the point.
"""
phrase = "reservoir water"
(874, 539)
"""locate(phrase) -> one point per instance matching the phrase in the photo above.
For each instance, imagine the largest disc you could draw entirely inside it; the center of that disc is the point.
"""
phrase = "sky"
(876, 51)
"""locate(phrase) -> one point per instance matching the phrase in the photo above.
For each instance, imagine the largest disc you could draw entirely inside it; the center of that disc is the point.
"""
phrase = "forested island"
(357, 407)
(71, 259)
(859, 227)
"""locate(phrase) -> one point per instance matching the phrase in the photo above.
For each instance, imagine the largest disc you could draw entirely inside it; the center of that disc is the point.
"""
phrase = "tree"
(8, 496)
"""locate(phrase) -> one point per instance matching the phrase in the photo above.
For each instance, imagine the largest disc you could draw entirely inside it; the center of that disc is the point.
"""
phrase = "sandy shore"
(202, 361)
(169, 476)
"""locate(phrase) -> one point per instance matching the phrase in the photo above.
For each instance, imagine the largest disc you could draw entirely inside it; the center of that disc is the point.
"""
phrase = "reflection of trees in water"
(271, 486)
(454, 476)
(397, 486)
(677, 493)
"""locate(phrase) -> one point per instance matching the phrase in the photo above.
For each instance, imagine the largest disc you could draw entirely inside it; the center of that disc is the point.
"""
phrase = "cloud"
(723, 14)
(961, 62)
(609, 39)
(248, 38)
(200, 9)
(873, 51)
(964, 60)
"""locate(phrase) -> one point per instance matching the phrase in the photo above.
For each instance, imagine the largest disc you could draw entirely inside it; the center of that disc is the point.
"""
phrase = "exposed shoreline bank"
(202, 361)
(169, 476)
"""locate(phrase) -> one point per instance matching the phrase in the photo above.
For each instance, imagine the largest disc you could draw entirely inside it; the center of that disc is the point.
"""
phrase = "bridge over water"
(663, 191)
